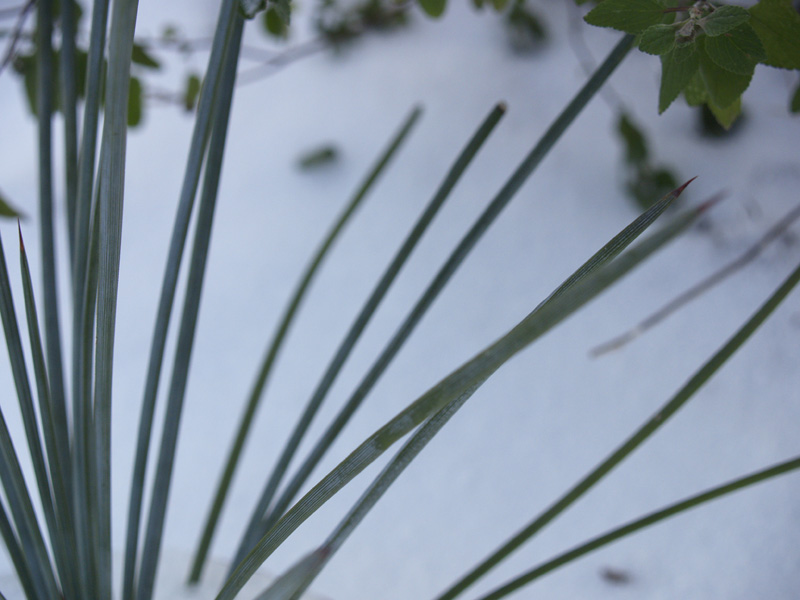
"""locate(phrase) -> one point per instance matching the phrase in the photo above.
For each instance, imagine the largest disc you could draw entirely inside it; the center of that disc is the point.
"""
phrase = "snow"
(551, 413)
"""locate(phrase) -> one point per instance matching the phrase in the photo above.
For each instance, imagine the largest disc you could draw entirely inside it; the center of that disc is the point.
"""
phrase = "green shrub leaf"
(657, 39)
(635, 144)
(778, 26)
(6, 210)
(630, 16)
(794, 105)
(192, 91)
(695, 91)
(737, 51)
(726, 116)
(724, 19)
(140, 56)
(677, 69)
(724, 87)
(134, 102)
(433, 8)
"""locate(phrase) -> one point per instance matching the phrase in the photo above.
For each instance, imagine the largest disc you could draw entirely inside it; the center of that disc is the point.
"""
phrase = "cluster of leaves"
(337, 24)
(645, 180)
(708, 51)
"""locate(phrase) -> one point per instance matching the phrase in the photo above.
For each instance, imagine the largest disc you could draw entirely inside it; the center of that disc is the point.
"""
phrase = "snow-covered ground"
(550, 414)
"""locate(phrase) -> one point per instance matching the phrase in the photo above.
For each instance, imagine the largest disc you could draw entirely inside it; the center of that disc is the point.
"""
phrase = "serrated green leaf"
(192, 91)
(738, 51)
(433, 8)
(695, 91)
(630, 16)
(723, 86)
(635, 144)
(794, 105)
(726, 116)
(6, 210)
(724, 19)
(657, 39)
(677, 69)
(134, 102)
(140, 56)
(778, 27)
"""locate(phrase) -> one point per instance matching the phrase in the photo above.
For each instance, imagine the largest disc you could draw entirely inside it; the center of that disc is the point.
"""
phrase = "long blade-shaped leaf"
(183, 350)
(197, 150)
(660, 417)
(430, 428)
(63, 535)
(85, 297)
(458, 255)
(256, 529)
(276, 343)
(15, 553)
(69, 100)
(455, 389)
(641, 523)
(46, 94)
(110, 200)
(16, 490)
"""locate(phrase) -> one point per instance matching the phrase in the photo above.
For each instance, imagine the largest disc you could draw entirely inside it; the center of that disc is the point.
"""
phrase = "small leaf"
(499, 5)
(726, 116)
(778, 26)
(140, 56)
(433, 8)
(738, 51)
(657, 39)
(724, 19)
(677, 69)
(794, 105)
(134, 102)
(274, 25)
(281, 8)
(723, 86)
(6, 210)
(318, 157)
(635, 144)
(630, 16)
(192, 91)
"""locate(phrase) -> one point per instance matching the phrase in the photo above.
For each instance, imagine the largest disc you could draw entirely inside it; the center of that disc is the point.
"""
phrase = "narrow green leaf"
(433, 8)
(641, 523)
(456, 388)
(659, 418)
(142, 57)
(110, 201)
(197, 151)
(261, 525)
(777, 24)
(737, 51)
(724, 19)
(657, 39)
(724, 87)
(68, 93)
(17, 556)
(320, 392)
(186, 332)
(630, 16)
(318, 157)
(677, 69)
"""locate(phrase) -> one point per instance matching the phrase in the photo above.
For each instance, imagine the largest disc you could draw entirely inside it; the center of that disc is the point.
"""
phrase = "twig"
(703, 286)
(12, 46)
(278, 61)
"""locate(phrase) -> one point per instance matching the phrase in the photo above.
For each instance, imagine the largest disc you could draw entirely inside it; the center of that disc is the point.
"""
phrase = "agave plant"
(57, 527)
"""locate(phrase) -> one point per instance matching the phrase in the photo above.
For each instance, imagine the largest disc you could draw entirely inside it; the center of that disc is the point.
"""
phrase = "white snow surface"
(549, 415)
